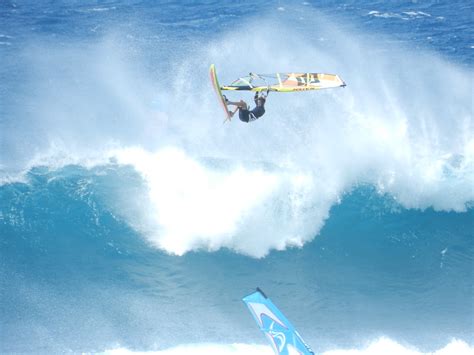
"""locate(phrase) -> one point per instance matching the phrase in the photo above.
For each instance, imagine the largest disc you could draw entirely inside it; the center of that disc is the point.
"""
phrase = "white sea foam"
(97, 9)
(405, 128)
(202, 349)
(405, 15)
(393, 126)
(417, 14)
(386, 15)
(381, 346)
(250, 208)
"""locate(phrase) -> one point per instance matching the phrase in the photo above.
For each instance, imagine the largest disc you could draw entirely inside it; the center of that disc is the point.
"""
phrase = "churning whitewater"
(132, 219)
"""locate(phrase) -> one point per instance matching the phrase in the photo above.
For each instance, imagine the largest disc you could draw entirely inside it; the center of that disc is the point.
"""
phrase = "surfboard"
(217, 89)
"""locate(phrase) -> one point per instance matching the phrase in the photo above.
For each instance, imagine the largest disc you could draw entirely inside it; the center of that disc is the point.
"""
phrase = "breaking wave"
(266, 185)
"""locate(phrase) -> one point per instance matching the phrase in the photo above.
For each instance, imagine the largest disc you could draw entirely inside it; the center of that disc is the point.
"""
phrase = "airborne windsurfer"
(261, 83)
(246, 115)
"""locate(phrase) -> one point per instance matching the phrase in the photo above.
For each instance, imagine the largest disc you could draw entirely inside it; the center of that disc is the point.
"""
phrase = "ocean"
(133, 220)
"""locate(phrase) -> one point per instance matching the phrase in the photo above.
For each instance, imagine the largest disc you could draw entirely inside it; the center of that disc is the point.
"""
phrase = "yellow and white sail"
(286, 82)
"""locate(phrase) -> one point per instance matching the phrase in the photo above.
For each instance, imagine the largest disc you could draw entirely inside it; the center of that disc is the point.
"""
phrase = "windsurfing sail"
(286, 82)
(283, 337)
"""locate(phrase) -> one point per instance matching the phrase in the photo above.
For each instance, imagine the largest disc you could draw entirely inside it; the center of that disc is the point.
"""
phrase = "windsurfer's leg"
(235, 110)
(239, 104)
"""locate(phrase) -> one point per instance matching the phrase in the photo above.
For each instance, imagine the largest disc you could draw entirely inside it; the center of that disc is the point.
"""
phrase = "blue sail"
(277, 328)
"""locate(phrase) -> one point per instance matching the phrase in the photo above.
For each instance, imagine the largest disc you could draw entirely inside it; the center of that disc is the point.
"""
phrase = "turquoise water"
(130, 217)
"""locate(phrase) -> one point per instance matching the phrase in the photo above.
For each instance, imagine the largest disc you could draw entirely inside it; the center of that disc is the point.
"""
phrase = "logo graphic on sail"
(283, 337)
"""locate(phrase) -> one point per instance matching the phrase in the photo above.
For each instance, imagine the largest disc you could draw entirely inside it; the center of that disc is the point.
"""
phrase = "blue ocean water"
(131, 217)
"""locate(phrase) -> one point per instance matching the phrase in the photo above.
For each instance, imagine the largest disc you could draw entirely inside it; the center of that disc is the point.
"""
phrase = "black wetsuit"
(252, 115)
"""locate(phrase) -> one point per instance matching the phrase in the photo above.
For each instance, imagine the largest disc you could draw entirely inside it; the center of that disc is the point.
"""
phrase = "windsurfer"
(246, 115)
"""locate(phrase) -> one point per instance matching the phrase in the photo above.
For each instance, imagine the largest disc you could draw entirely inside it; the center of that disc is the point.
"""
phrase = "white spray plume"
(403, 124)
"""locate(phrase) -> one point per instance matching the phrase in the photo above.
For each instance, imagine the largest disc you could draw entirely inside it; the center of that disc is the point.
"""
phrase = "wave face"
(70, 262)
(127, 207)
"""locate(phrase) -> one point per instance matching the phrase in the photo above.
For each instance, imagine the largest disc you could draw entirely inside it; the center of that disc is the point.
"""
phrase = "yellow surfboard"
(217, 88)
